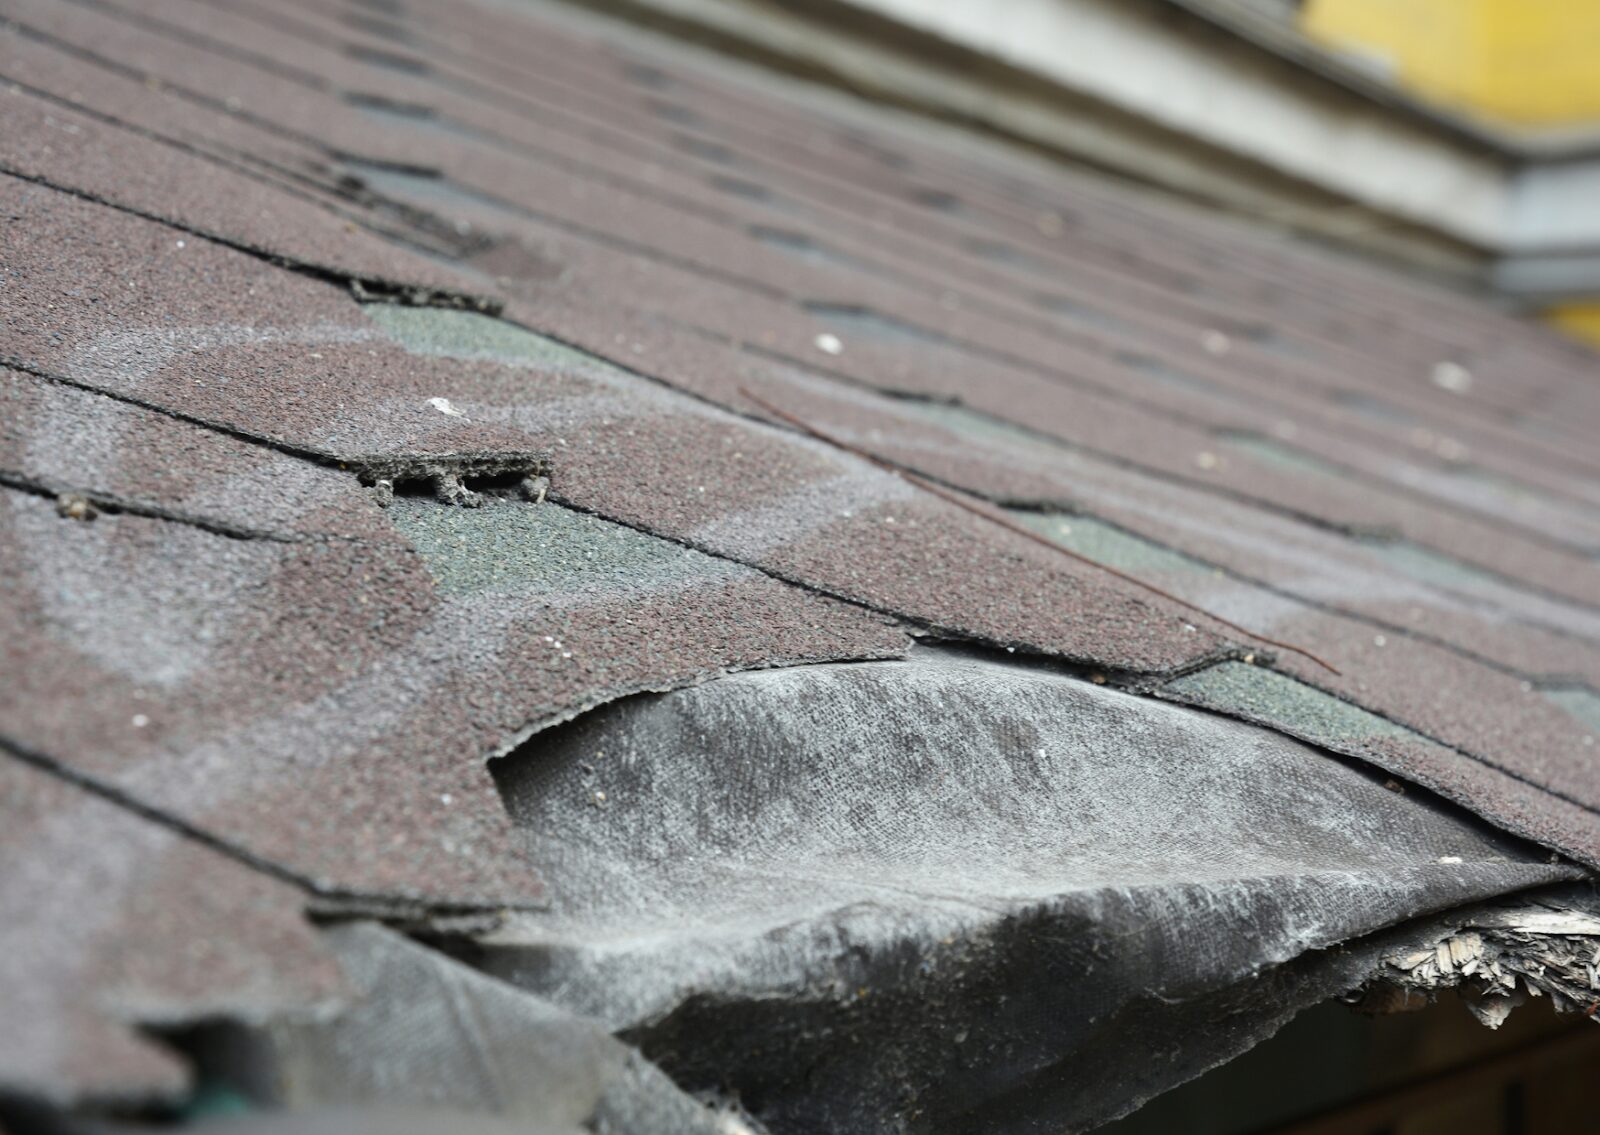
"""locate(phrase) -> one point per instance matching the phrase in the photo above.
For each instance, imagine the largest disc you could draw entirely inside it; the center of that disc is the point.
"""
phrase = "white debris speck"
(1453, 377)
(1206, 459)
(140, 721)
(829, 344)
(1379, 640)
(183, 244)
(1216, 343)
(1449, 859)
(447, 799)
(444, 407)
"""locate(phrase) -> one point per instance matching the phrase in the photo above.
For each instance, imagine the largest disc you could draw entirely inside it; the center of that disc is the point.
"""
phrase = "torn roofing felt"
(241, 601)
(795, 880)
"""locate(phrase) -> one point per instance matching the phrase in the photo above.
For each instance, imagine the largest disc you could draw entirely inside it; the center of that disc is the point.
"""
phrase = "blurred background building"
(1459, 138)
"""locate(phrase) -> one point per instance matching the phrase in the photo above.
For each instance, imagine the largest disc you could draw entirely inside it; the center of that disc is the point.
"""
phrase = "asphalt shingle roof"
(259, 255)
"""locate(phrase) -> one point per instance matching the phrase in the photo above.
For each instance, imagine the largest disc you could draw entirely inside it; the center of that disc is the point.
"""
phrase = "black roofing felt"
(241, 600)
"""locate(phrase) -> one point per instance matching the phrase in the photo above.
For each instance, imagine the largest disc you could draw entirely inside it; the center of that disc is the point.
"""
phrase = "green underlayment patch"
(515, 545)
(1265, 695)
(471, 335)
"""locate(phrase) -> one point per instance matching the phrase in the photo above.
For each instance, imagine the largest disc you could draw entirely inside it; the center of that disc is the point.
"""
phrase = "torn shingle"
(958, 878)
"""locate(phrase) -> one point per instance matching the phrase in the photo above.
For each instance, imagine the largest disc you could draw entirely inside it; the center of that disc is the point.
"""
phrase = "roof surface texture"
(375, 392)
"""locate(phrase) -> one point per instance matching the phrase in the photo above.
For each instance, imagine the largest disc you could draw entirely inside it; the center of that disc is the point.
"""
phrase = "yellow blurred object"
(1580, 320)
(1535, 62)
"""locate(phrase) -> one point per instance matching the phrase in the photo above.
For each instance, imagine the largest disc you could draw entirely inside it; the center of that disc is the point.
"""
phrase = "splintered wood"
(1497, 960)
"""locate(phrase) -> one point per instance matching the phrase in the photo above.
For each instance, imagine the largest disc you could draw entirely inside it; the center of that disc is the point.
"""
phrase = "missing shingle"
(447, 484)
(858, 848)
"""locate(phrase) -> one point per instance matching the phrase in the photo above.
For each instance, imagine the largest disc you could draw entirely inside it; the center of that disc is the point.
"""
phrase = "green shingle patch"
(848, 321)
(1430, 567)
(1265, 695)
(1108, 545)
(469, 335)
(1270, 452)
(1580, 703)
(981, 427)
(517, 546)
